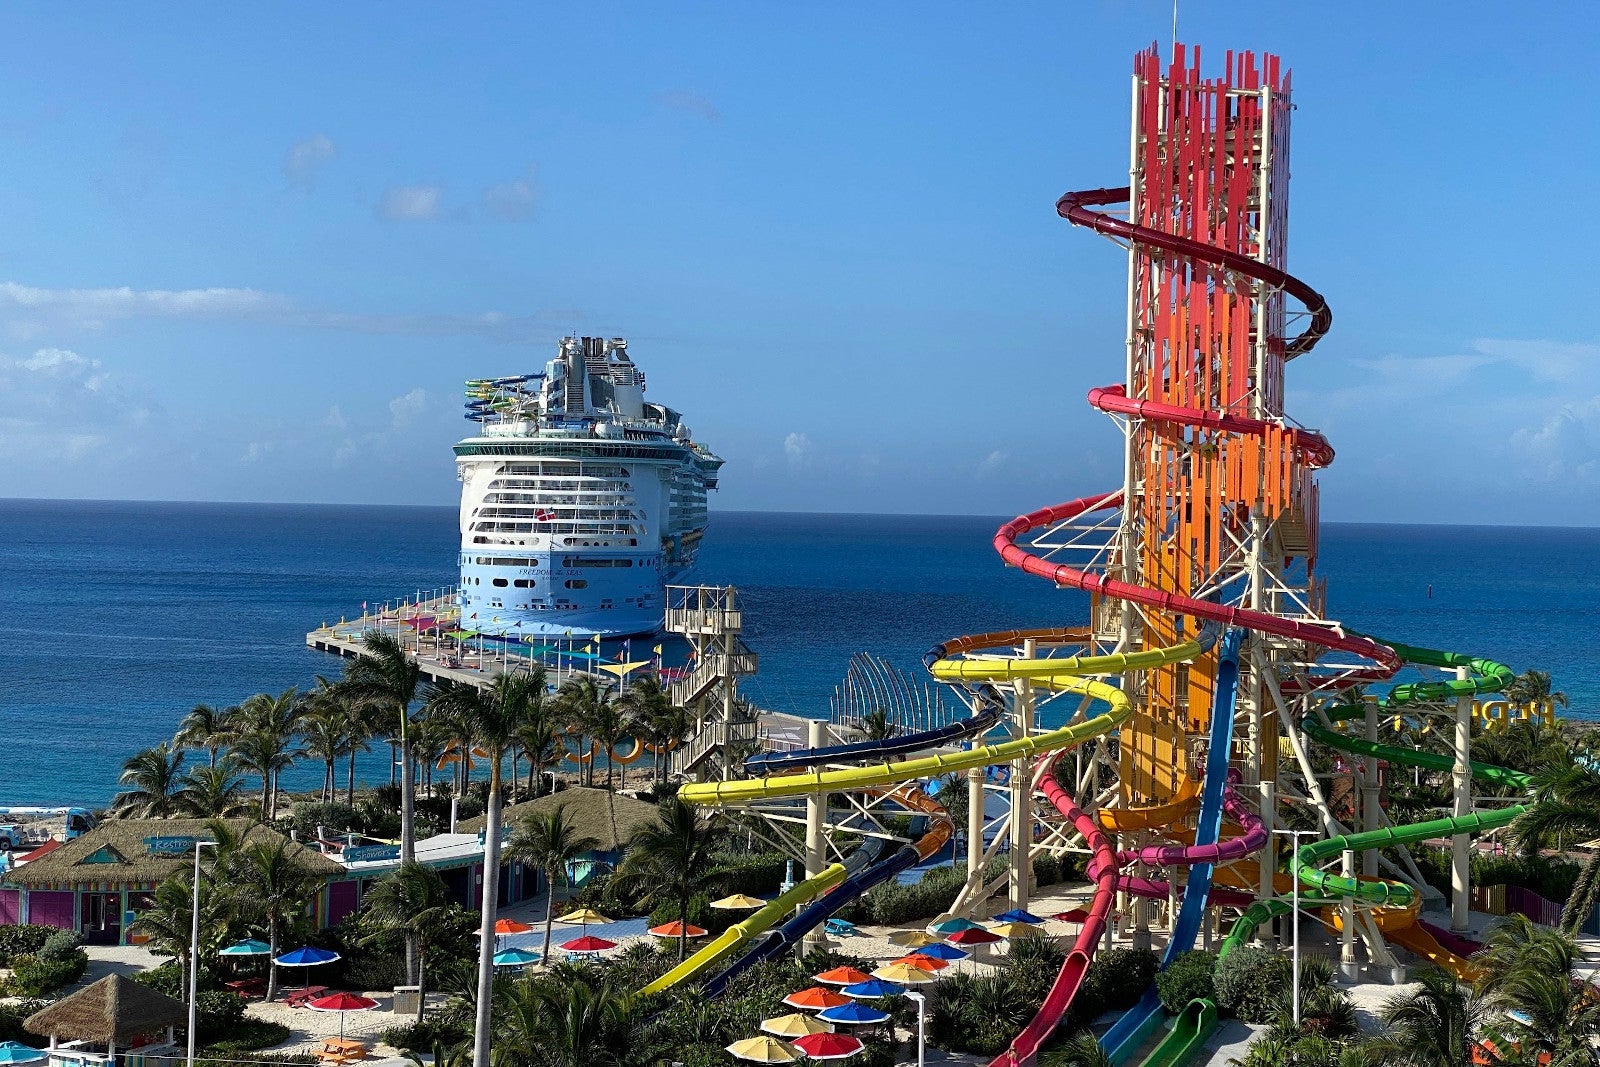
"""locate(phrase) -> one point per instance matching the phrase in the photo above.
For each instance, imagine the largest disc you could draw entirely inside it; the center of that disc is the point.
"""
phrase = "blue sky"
(250, 253)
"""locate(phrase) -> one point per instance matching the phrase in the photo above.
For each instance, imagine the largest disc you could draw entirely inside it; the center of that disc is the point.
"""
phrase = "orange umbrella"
(843, 976)
(816, 999)
(510, 926)
(675, 928)
(922, 963)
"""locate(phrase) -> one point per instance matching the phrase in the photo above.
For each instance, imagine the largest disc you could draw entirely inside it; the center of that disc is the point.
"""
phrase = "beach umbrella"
(815, 999)
(675, 929)
(903, 974)
(1016, 931)
(829, 1046)
(584, 916)
(579, 946)
(763, 1049)
(873, 989)
(975, 936)
(306, 957)
(17, 1052)
(341, 1003)
(516, 957)
(921, 963)
(954, 926)
(913, 939)
(250, 947)
(1018, 915)
(510, 926)
(854, 1015)
(842, 976)
(738, 902)
(1071, 915)
(941, 951)
(796, 1025)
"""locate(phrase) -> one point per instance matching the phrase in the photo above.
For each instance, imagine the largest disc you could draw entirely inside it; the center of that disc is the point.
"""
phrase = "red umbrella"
(972, 937)
(588, 943)
(816, 999)
(1075, 915)
(341, 1003)
(828, 1046)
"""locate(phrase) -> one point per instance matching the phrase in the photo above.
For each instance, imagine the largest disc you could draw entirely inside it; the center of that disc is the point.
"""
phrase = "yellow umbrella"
(797, 1024)
(584, 916)
(913, 939)
(764, 1050)
(903, 974)
(1015, 931)
(738, 902)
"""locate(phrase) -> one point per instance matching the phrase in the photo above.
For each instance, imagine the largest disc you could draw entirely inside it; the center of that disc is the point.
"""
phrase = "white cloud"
(689, 102)
(992, 461)
(411, 203)
(60, 405)
(1546, 361)
(797, 446)
(305, 158)
(404, 409)
(1565, 447)
(515, 200)
(27, 312)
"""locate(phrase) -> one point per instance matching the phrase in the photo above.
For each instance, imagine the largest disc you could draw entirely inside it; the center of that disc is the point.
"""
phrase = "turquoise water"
(120, 616)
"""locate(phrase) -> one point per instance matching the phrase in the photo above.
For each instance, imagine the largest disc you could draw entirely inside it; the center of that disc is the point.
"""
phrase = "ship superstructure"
(580, 499)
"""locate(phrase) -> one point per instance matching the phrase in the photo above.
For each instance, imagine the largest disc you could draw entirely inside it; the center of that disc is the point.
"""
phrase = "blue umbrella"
(876, 987)
(306, 957)
(16, 1052)
(854, 1015)
(1018, 915)
(942, 951)
(516, 957)
(250, 947)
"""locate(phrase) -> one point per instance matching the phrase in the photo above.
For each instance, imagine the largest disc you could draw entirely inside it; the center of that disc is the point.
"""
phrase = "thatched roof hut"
(112, 1011)
(135, 852)
(587, 808)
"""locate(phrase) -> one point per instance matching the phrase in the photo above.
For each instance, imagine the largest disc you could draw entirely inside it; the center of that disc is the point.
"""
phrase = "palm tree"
(1431, 1026)
(413, 903)
(1531, 995)
(270, 884)
(572, 1023)
(1534, 687)
(156, 778)
(168, 922)
(326, 730)
(877, 725)
(576, 702)
(213, 792)
(672, 857)
(650, 709)
(541, 743)
(1565, 809)
(549, 841)
(205, 727)
(263, 740)
(386, 678)
(491, 719)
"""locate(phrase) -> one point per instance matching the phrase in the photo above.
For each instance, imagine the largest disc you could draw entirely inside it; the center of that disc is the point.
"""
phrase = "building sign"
(171, 846)
(370, 853)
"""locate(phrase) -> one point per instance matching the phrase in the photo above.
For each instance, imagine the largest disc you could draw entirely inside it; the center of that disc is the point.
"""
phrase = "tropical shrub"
(34, 976)
(246, 1036)
(336, 818)
(1251, 983)
(218, 1013)
(1192, 976)
(1117, 978)
(22, 939)
(60, 945)
(11, 1015)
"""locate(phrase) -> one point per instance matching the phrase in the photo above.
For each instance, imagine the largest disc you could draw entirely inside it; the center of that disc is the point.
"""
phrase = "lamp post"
(922, 1024)
(194, 946)
(1296, 835)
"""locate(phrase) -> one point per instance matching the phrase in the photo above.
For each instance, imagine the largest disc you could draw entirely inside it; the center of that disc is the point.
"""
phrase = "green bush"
(217, 1013)
(336, 818)
(22, 940)
(701, 914)
(11, 1015)
(1116, 979)
(421, 1037)
(1251, 983)
(756, 873)
(1192, 976)
(245, 1036)
(35, 976)
(60, 945)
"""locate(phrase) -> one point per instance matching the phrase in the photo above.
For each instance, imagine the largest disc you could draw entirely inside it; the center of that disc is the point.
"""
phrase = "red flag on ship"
(543, 514)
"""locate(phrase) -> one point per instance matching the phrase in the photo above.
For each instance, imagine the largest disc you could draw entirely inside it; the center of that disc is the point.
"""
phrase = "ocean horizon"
(121, 615)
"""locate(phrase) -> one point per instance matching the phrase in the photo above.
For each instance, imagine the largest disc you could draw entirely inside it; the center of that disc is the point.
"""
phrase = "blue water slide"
(1131, 1031)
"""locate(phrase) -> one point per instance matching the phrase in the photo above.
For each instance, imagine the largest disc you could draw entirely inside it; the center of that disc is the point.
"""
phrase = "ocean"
(120, 616)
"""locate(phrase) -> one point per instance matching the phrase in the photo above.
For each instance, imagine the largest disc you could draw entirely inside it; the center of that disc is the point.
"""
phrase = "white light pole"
(1296, 835)
(194, 946)
(922, 1024)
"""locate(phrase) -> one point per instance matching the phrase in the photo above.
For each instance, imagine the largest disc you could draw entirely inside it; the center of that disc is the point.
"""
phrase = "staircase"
(710, 618)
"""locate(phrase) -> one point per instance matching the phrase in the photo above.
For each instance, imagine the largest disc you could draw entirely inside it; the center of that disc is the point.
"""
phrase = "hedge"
(1251, 982)
(1192, 976)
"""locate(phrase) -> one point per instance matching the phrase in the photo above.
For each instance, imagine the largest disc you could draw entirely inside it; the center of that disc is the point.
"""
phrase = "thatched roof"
(112, 1011)
(585, 807)
(118, 852)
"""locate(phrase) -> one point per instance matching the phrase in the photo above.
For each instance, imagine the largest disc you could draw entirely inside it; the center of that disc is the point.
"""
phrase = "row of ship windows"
(564, 470)
(601, 529)
(525, 583)
(566, 561)
(570, 542)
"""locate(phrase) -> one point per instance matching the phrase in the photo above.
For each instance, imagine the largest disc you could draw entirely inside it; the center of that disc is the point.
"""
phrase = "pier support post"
(816, 826)
(1021, 877)
(1461, 844)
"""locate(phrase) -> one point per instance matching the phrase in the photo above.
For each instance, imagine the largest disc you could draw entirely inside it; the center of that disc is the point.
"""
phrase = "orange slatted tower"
(1208, 513)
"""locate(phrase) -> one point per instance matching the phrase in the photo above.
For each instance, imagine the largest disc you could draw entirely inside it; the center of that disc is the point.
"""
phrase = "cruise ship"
(580, 499)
